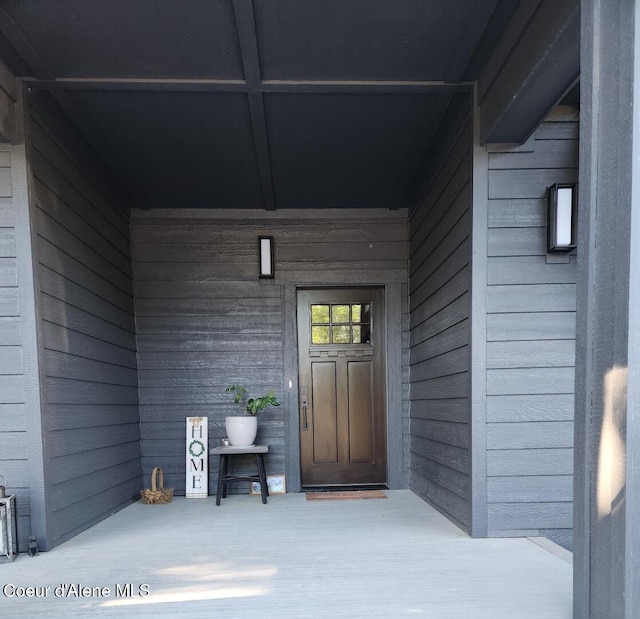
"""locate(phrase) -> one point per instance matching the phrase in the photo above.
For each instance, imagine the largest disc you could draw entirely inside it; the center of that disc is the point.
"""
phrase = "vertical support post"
(395, 421)
(607, 435)
(27, 268)
(478, 348)
(289, 293)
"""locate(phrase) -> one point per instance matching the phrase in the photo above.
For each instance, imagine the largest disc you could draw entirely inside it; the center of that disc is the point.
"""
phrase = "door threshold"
(344, 488)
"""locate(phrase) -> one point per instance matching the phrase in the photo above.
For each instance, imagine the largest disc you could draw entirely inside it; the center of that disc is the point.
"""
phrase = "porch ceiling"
(263, 103)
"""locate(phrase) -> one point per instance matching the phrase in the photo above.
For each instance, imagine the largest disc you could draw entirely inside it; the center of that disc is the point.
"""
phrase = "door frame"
(395, 406)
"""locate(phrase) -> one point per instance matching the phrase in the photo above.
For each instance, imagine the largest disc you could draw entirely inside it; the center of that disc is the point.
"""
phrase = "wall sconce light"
(265, 250)
(561, 217)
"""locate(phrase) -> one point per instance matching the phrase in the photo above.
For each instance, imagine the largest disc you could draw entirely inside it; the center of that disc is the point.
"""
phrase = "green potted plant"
(242, 429)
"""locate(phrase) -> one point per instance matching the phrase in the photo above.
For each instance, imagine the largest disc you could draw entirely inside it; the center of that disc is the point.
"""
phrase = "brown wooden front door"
(341, 341)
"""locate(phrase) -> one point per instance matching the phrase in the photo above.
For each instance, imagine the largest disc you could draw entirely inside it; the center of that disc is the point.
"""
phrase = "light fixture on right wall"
(561, 217)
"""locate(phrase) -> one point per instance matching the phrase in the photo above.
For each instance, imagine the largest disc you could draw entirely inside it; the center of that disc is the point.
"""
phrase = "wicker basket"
(157, 494)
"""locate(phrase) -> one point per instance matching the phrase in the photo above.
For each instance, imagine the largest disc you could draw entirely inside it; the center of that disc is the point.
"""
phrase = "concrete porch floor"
(390, 558)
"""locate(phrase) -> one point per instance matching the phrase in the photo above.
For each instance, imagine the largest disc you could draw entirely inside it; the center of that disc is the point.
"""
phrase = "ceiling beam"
(532, 73)
(480, 17)
(21, 44)
(265, 86)
(93, 83)
(493, 65)
(360, 86)
(246, 28)
(8, 98)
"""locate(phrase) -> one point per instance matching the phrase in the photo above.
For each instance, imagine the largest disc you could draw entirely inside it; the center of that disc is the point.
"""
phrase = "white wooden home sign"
(197, 458)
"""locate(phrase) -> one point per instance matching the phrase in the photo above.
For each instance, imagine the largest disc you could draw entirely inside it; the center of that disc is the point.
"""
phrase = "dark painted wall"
(531, 302)
(14, 456)
(205, 320)
(439, 291)
(86, 327)
(530, 298)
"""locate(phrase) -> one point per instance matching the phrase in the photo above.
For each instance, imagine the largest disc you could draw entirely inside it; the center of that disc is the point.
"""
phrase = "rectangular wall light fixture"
(265, 249)
(561, 217)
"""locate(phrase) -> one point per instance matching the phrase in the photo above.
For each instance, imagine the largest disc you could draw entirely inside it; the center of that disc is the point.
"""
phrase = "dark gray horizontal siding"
(541, 354)
(7, 218)
(102, 500)
(449, 339)
(79, 368)
(530, 213)
(530, 435)
(11, 359)
(532, 380)
(65, 416)
(535, 407)
(61, 445)
(439, 325)
(198, 294)
(9, 302)
(534, 489)
(93, 462)
(519, 461)
(517, 184)
(204, 320)
(62, 339)
(531, 329)
(328, 228)
(449, 316)
(210, 341)
(531, 326)
(545, 298)
(532, 516)
(87, 329)
(14, 463)
(529, 270)
(244, 251)
(549, 152)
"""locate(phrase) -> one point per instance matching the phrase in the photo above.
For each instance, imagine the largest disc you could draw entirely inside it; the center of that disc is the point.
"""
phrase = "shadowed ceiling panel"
(347, 150)
(178, 149)
(158, 88)
(359, 39)
(125, 39)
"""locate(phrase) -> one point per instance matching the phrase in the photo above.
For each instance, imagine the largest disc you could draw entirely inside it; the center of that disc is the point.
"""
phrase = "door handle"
(305, 422)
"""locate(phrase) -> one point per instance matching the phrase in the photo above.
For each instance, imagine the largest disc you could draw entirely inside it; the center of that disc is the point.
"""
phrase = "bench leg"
(262, 475)
(221, 473)
(225, 476)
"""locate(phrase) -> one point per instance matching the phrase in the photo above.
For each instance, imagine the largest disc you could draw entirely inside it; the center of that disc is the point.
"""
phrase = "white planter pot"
(242, 431)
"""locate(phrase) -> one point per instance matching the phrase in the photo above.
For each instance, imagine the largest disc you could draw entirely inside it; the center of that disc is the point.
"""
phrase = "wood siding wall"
(205, 320)
(440, 230)
(87, 328)
(14, 459)
(531, 301)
